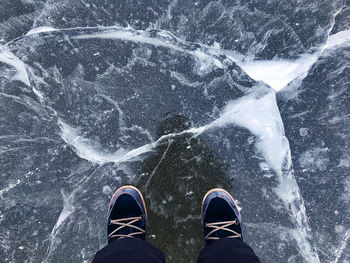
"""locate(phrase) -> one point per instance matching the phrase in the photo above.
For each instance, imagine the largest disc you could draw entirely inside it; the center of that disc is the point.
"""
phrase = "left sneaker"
(127, 214)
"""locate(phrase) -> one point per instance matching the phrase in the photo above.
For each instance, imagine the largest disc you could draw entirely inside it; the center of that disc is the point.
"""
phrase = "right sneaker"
(220, 216)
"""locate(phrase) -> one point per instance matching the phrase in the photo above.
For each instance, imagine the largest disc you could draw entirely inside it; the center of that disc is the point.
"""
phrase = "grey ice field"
(175, 97)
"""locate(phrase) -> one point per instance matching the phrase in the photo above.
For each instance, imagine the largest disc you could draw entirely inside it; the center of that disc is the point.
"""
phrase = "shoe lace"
(126, 222)
(222, 226)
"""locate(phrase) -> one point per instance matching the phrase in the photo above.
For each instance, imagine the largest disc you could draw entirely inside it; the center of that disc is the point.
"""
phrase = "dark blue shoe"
(220, 216)
(127, 214)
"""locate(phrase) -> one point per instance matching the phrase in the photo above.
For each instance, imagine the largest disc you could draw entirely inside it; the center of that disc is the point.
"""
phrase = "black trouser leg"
(129, 250)
(228, 250)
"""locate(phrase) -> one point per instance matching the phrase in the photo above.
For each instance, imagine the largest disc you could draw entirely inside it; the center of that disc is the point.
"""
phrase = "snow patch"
(258, 112)
(278, 73)
(40, 29)
(92, 151)
(67, 210)
(338, 39)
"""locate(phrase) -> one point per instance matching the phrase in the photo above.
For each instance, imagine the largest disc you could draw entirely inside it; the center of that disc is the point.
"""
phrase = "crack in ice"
(248, 112)
(277, 73)
(67, 211)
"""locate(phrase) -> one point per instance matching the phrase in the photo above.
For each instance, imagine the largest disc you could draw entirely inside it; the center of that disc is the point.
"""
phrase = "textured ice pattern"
(175, 97)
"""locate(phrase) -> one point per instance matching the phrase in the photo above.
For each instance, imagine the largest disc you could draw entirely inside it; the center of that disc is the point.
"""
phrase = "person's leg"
(127, 250)
(221, 223)
(227, 250)
(127, 218)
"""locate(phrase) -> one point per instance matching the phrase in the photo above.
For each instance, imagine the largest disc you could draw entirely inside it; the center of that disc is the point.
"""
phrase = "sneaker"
(220, 216)
(127, 214)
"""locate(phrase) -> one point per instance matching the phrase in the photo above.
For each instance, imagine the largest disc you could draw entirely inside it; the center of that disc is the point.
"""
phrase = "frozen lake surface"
(175, 97)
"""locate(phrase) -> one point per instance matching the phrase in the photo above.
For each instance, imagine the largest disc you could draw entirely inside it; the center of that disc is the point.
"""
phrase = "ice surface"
(343, 246)
(257, 112)
(9, 187)
(169, 97)
(67, 210)
(205, 61)
(276, 73)
(7, 57)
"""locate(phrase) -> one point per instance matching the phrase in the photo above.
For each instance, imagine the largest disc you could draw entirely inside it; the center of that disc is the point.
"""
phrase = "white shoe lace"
(222, 226)
(123, 222)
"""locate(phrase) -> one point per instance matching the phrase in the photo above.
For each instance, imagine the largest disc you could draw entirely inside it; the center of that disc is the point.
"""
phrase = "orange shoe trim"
(132, 187)
(220, 190)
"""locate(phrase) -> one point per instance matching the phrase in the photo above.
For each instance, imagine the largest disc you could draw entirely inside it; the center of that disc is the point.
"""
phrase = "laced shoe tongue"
(125, 231)
(224, 233)
(225, 229)
(122, 231)
(126, 227)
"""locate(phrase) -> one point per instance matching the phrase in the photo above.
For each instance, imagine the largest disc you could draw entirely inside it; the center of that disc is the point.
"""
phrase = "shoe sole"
(132, 187)
(220, 190)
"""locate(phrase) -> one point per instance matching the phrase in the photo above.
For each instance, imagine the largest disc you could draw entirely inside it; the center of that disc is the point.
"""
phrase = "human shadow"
(174, 180)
